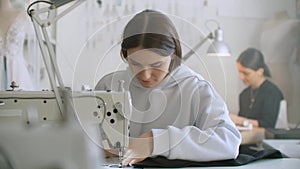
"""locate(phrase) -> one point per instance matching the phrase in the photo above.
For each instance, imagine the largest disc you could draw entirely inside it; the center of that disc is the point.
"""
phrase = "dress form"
(280, 44)
(7, 16)
(12, 38)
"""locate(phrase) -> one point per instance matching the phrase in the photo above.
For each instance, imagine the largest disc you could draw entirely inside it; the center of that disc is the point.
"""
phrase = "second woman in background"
(259, 102)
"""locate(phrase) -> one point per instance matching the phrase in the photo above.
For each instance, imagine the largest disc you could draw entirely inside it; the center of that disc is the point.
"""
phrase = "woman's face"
(148, 67)
(249, 76)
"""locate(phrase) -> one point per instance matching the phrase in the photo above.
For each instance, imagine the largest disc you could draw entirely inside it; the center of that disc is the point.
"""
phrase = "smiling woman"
(176, 112)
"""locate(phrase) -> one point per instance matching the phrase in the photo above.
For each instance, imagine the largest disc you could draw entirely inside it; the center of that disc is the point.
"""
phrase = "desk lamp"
(115, 129)
(43, 17)
(218, 46)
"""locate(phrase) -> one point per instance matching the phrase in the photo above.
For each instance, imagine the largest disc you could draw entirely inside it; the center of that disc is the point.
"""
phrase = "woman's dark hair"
(253, 59)
(152, 30)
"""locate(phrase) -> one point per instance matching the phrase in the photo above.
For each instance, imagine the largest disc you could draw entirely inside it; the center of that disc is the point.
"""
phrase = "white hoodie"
(189, 120)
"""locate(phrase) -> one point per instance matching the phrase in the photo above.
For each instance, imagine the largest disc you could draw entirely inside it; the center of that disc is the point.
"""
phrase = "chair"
(282, 121)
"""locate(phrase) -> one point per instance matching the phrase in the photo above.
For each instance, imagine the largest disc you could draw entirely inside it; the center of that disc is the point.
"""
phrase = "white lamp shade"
(218, 46)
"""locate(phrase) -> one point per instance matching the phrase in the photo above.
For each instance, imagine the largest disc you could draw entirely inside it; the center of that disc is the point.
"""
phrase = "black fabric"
(243, 158)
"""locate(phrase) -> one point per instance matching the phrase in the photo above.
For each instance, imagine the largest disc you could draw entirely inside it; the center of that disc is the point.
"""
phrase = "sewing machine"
(30, 120)
(60, 128)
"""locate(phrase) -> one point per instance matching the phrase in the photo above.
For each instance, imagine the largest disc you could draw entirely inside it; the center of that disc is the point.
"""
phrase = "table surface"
(288, 147)
(280, 163)
(256, 135)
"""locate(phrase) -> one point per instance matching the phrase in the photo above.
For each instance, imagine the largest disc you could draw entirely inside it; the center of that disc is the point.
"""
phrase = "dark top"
(265, 107)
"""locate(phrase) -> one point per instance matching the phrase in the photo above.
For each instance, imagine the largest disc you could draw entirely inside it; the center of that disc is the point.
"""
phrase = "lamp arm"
(40, 25)
(50, 64)
(69, 9)
(192, 51)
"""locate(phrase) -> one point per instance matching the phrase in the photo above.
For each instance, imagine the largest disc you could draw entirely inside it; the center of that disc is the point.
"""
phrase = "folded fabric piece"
(242, 159)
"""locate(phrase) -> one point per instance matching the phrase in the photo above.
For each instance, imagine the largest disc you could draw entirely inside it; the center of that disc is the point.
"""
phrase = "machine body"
(100, 116)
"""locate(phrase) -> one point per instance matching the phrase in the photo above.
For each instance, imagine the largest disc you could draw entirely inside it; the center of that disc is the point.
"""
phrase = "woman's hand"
(237, 120)
(139, 149)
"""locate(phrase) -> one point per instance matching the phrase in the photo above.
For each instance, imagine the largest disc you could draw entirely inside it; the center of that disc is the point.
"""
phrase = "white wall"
(88, 39)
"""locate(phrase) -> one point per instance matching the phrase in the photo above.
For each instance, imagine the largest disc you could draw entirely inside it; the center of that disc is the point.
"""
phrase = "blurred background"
(87, 41)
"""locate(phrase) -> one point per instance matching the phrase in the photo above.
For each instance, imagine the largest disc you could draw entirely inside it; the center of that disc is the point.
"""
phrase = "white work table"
(279, 163)
(288, 147)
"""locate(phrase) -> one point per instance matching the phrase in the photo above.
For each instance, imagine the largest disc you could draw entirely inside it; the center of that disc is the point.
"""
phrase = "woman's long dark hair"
(253, 59)
(152, 30)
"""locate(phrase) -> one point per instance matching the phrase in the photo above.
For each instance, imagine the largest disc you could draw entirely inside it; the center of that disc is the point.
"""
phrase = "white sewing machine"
(60, 128)
(30, 120)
